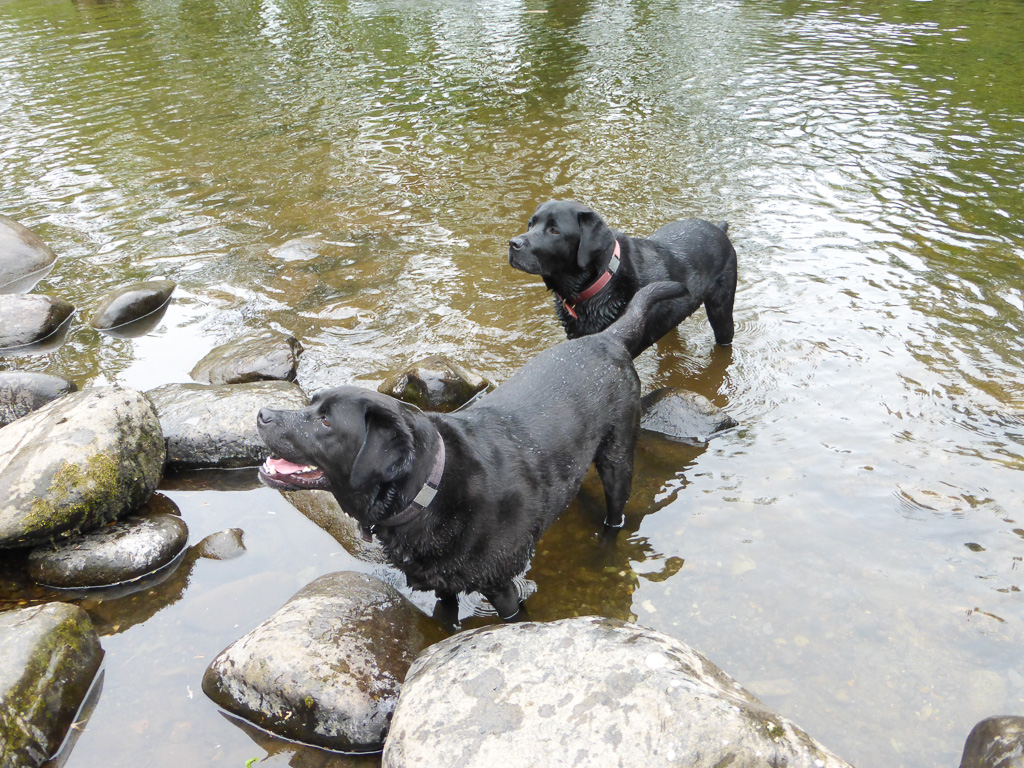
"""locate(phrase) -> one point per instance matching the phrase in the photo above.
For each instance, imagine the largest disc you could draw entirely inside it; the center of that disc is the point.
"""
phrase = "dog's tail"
(630, 327)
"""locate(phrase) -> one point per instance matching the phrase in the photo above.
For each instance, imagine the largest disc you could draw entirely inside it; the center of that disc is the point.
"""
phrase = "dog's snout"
(517, 243)
(265, 416)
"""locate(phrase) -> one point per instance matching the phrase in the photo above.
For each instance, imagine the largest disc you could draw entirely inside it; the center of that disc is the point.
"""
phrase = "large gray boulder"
(326, 668)
(24, 258)
(32, 323)
(76, 463)
(50, 654)
(22, 392)
(995, 742)
(215, 426)
(597, 692)
(266, 356)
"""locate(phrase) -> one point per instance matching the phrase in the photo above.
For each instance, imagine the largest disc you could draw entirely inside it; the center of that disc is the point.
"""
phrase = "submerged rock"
(76, 463)
(267, 356)
(215, 426)
(133, 310)
(326, 668)
(24, 258)
(32, 323)
(683, 415)
(434, 384)
(223, 545)
(123, 551)
(22, 392)
(995, 742)
(50, 656)
(595, 691)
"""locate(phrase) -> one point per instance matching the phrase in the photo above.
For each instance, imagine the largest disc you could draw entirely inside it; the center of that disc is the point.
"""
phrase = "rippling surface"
(852, 553)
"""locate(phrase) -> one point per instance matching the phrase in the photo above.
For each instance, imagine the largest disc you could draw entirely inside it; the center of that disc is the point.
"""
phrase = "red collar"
(595, 287)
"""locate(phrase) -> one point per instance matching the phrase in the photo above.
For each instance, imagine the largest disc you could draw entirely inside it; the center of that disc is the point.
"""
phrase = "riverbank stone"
(995, 742)
(76, 463)
(266, 356)
(51, 654)
(133, 310)
(682, 415)
(123, 551)
(587, 692)
(434, 384)
(31, 323)
(223, 545)
(327, 667)
(215, 426)
(24, 258)
(22, 392)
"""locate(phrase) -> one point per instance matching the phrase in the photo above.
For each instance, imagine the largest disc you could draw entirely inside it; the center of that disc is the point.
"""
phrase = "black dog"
(459, 500)
(594, 271)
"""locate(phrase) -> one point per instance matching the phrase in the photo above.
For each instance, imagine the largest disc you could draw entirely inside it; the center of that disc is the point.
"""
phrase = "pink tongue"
(284, 467)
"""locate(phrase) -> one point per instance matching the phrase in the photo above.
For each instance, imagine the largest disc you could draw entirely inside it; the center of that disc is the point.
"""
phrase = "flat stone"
(133, 310)
(326, 668)
(266, 356)
(682, 415)
(584, 692)
(120, 552)
(51, 654)
(24, 258)
(995, 742)
(22, 392)
(32, 323)
(215, 426)
(434, 384)
(77, 463)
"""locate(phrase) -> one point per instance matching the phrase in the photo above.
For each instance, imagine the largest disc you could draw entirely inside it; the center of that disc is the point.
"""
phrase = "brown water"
(852, 553)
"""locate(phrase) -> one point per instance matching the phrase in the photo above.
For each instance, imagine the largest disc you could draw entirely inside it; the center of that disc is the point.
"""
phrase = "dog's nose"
(517, 243)
(265, 416)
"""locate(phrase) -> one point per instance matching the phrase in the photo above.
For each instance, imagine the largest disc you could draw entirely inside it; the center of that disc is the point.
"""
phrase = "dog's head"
(351, 441)
(563, 238)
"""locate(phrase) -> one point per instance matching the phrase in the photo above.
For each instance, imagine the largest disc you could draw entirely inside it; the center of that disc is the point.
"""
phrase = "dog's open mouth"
(286, 475)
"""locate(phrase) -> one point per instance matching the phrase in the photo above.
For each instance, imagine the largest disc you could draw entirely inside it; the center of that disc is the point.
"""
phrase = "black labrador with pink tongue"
(594, 271)
(459, 500)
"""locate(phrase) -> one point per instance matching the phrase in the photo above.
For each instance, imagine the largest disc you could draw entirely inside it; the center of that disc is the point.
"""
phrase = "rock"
(134, 310)
(224, 545)
(682, 415)
(22, 392)
(50, 656)
(24, 258)
(298, 249)
(267, 356)
(326, 668)
(595, 692)
(434, 384)
(76, 463)
(120, 552)
(30, 324)
(215, 426)
(995, 742)
(323, 509)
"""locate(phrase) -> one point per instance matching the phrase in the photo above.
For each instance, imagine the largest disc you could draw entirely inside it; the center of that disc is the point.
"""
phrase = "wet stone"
(434, 384)
(682, 415)
(298, 249)
(133, 310)
(51, 654)
(215, 426)
(32, 323)
(223, 545)
(120, 552)
(22, 392)
(995, 742)
(267, 356)
(599, 691)
(77, 463)
(327, 667)
(24, 258)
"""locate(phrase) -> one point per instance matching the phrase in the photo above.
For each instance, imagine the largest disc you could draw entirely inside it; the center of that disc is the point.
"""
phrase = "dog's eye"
(553, 230)
(324, 421)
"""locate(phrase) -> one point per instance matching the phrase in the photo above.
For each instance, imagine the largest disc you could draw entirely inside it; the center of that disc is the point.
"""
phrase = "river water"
(852, 552)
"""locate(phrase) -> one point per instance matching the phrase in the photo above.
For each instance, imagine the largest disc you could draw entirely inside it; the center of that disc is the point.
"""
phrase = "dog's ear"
(595, 238)
(386, 450)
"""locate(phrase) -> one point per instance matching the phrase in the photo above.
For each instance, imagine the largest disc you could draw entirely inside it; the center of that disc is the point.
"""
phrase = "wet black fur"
(570, 246)
(515, 458)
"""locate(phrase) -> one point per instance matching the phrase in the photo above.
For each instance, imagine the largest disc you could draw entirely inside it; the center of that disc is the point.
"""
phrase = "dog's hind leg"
(614, 462)
(505, 600)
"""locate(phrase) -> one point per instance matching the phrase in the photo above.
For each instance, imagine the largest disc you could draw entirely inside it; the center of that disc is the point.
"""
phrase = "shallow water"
(852, 553)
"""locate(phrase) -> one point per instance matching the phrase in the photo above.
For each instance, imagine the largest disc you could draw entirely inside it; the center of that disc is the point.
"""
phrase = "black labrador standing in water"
(594, 271)
(459, 500)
